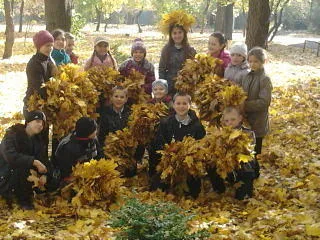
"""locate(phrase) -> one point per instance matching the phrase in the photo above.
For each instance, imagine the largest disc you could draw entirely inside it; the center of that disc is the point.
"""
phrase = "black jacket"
(18, 150)
(39, 71)
(111, 121)
(170, 129)
(71, 151)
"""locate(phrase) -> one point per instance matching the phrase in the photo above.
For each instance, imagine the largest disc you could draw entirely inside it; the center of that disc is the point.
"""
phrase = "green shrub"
(117, 54)
(78, 22)
(142, 221)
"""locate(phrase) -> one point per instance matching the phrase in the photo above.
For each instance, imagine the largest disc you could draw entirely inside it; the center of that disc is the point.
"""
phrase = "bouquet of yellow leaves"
(121, 147)
(179, 18)
(144, 120)
(134, 83)
(226, 149)
(195, 71)
(180, 159)
(103, 78)
(96, 181)
(214, 94)
(70, 96)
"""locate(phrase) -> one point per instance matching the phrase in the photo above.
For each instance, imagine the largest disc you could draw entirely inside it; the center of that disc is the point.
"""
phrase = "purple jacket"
(145, 67)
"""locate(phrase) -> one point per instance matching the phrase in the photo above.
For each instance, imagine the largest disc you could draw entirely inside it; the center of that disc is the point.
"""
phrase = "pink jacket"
(97, 62)
(224, 55)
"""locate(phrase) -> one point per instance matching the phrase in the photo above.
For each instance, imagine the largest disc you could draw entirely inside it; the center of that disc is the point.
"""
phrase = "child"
(40, 69)
(139, 62)
(69, 48)
(23, 149)
(101, 55)
(79, 146)
(160, 93)
(239, 66)
(232, 117)
(258, 87)
(183, 122)
(216, 46)
(174, 54)
(115, 116)
(59, 54)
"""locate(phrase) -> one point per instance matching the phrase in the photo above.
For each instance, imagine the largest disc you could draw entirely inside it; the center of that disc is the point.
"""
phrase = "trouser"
(246, 178)
(257, 150)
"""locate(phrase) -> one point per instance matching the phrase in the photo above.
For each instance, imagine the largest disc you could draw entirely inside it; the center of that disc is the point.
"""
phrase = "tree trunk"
(99, 13)
(9, 30)
(245, 18)
(58, 14)
(258, 23)
(228, 21)
(21, 16)
(137, 20)
(219, 22)
(204, 16)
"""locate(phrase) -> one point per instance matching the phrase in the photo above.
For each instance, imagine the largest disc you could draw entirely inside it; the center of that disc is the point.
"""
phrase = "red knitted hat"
(41, 38)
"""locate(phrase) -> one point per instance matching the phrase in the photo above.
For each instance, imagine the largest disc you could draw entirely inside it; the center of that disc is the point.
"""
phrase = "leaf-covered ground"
(287, 195)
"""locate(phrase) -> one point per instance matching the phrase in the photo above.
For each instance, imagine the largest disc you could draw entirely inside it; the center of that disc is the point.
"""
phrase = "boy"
(232, 118)
(79, 146)
(183, 122)
(69, 47)
(23, 149)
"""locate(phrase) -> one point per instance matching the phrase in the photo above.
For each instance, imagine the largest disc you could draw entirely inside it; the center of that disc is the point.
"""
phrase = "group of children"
(25, 147)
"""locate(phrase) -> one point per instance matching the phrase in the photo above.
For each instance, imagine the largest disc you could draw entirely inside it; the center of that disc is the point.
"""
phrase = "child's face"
(181, 105)
(102, 48)
(177, 35)
(46, 49)
(159, 92)
(119, 98)
(236, 59)
(232, 119)
(138, 55)
(214, 45)
(254, 63)
(36, 126)
(59, 42)
(69, 45)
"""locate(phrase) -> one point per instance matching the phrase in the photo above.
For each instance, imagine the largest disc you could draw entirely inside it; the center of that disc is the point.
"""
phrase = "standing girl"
(177, 50)
(101, 55)
(58, 53)
(216, 48)
(258, 87)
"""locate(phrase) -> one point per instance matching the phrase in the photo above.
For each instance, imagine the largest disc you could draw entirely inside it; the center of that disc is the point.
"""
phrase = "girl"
(58, 54)
(183, 122)
(239, 66)
(216, 46)
(139, 62)
(160, 92)
(69, 48)
(101, 55)
(174, 54)
(258, 87)
(40, 69)
(23, 149)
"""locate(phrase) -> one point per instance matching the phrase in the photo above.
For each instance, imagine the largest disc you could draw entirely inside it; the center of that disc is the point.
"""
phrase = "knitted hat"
(239, 49)
(35, 115)
(138, 45)
(41, 38)
(161, 82)
(99, 40)
(85, 127)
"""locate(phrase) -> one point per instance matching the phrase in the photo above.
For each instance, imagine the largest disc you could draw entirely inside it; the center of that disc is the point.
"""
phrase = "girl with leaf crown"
(176, 24)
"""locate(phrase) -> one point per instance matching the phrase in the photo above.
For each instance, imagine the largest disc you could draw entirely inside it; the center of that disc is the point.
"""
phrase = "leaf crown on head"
(176, 18)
